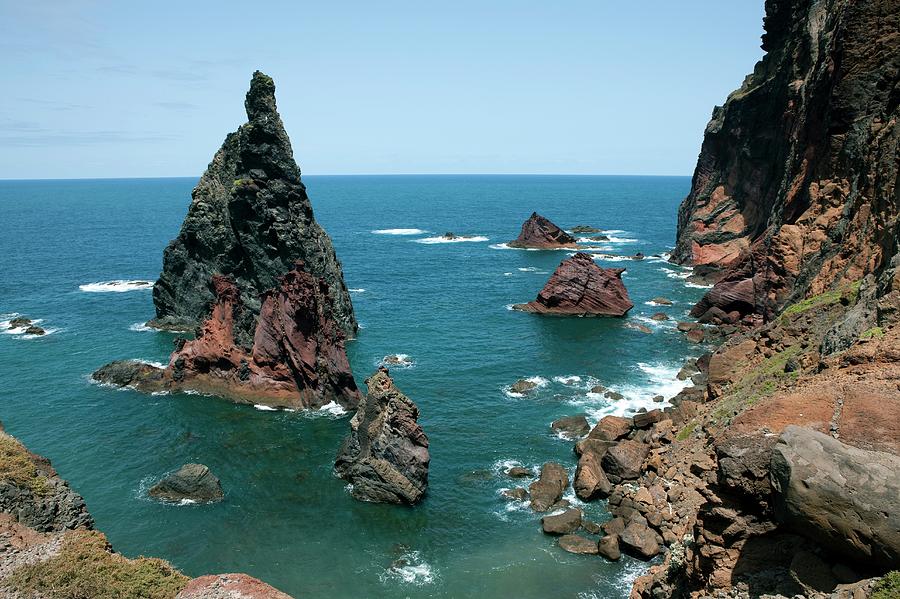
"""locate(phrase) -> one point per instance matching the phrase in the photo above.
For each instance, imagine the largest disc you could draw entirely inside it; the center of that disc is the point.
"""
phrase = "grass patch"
(823, 299)
(86, 567)
(761, 382)
(17, 466)
(686, 432)
(873, 333)
(888, 587)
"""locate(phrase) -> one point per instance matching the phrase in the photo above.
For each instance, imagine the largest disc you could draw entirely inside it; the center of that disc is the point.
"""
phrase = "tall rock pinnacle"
(250, 219)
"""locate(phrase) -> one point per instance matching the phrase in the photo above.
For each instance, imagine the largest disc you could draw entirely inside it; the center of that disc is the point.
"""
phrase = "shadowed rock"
(579, 287)
(249, 219)
(540, 233)
(385, 458)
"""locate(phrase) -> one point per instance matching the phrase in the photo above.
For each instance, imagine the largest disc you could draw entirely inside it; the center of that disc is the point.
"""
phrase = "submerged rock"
(385, 458)
(578, 544)
(579, 287)
(539, 233)
(19, 322)
(250, 219)
(608, 547)
(523, 386)
(35, 330)
(192, 482)
(297, 359)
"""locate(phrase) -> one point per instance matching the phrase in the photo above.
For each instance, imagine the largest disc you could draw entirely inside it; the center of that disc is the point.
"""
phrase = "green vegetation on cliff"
(17, 466)
(87, 567)
(888, 587)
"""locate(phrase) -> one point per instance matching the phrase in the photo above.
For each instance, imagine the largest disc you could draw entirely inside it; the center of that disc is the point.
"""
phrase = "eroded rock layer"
(385, 458)
(796, 184)
(250, 219)
(579, 287)
(297, 359)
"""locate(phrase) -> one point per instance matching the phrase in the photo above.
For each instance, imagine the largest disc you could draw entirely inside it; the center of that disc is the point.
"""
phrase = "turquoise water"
(286, 518)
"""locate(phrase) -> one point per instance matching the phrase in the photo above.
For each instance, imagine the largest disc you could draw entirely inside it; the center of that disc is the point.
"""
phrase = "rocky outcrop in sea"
(385, 458)
(579, 287)
(539, 233)
(297, 359)
(795, 188)
(250, 219)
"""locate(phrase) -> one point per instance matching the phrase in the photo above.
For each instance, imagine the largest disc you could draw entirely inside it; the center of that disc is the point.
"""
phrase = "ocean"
(286, 518)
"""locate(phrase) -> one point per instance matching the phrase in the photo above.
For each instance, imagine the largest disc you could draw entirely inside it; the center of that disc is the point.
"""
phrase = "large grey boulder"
(191, 482)
(845, 498)
(385, 458)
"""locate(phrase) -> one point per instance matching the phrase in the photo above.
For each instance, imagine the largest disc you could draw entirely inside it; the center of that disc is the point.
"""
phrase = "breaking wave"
(460, 239)
(399, 231)
(118, 286)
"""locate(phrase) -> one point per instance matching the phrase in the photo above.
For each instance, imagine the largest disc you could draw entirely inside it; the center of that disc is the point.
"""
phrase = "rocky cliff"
(250, 219)
(385, 458)
(795, 191)
(48, 547)
(297, 359)
(579, 287)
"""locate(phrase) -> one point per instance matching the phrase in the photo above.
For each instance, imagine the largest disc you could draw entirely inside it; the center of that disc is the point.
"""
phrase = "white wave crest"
(649, 381)
(141, 327)
(333, 408)
(399, 231)
(118, 286)
(396, 361)
(567, 380)
(264, 408)
(410, 569)
(697, 285)
(539, 382)
(457, 239)
(357, 290)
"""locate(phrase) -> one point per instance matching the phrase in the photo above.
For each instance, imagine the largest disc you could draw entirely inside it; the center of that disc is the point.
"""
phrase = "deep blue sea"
(286, 519)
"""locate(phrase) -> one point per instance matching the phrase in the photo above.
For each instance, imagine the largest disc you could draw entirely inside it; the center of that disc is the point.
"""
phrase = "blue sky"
(128, 89)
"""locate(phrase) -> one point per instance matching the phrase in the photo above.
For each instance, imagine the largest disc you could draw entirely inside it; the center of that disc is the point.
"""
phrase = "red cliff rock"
(540, 233)
(297, 359)
(579, 287)
(795, 186)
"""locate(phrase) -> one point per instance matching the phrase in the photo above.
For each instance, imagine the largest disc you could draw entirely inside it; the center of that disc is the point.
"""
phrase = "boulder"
(191, 482)
(608, 547)
(20, 322)
(696, 335)
(523, 386)
(590, 481)
(385, 458)
(539, 233)
(579, 287)
(660, 316)
(571, 427)
(35, 330)
(623, 462)
(562, 524)
(611, 428)
(518, 472)
(229, 586)
(728, 296)
(661, 301)
(250, 219)
(648, 419)
(595, 446)
(578, 544)
(639, 541)
(515, 494)
(549, 487)
(845, 498)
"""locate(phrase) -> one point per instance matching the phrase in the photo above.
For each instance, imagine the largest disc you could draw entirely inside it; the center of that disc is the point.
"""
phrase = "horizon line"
(5, 179)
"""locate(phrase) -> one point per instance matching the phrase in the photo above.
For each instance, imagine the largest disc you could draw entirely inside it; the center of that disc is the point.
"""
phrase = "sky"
(150, 89)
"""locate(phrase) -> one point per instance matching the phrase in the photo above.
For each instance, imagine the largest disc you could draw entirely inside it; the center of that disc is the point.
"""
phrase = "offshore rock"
(846, 498)
(385, 458)
(795, 186)
(192, 482)
(540, 233)
(250, 219)
(579, 287)
(297, 359)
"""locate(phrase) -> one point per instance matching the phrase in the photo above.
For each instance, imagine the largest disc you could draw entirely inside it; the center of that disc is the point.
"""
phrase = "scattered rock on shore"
(549, 487)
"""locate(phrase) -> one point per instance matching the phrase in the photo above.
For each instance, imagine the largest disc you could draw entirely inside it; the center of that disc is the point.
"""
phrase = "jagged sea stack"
(795, 189)
(579, 287)
(385, 458)
(539, 233)
(250, 219)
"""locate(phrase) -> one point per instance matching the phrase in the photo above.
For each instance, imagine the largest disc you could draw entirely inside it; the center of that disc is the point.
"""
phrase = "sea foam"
(399, 231)
(410, 569)
(118, 286)
(459, 239)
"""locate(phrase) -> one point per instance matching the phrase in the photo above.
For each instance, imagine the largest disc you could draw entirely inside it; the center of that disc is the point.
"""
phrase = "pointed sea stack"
(385, 458)
(250, 219)
(297, 359)
(579, 287)
(540, 233)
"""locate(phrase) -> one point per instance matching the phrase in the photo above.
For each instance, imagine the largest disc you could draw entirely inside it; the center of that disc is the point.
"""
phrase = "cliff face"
(796, 184)
(250, 219)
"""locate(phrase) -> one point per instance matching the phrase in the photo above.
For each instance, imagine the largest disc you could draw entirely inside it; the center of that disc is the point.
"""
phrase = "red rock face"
(297, 359)
(229, 586)
(579, 287)
(540, 233)
(795, 186)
